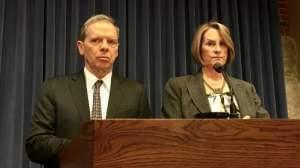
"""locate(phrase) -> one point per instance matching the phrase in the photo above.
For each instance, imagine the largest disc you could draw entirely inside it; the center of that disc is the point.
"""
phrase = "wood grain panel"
(193, 143)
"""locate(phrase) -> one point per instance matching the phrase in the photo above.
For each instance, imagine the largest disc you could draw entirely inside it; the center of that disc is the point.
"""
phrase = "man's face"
(100, 46)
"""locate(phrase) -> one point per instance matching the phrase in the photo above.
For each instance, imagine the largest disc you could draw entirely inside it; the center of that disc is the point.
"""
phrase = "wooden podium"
(185, 143)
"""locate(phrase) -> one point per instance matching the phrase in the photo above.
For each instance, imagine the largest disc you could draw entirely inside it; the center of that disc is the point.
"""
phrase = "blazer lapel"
(239, 95)
(115, 97)
(78, 90)
(197, 93)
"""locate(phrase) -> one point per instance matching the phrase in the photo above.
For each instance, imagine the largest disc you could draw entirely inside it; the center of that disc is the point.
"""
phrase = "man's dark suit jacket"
(63, 107)
(185, 96)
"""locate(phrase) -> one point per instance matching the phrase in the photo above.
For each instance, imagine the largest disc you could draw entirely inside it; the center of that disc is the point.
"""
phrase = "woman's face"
(213, 49)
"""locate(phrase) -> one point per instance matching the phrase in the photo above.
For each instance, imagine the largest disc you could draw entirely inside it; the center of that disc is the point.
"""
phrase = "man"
(67, 102)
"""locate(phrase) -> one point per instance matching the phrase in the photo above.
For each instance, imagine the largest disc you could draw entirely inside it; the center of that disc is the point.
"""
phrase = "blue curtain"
(38, 37)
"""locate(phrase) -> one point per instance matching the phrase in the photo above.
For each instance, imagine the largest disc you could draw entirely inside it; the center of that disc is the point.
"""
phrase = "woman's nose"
(217, 48)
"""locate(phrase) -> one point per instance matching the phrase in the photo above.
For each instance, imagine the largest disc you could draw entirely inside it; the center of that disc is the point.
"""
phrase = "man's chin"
(104, 68)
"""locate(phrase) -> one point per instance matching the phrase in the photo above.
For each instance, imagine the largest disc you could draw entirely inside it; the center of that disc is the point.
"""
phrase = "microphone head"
(218, 67)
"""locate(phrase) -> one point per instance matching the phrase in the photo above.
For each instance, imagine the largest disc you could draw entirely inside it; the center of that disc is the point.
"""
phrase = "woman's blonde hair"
(198, 40)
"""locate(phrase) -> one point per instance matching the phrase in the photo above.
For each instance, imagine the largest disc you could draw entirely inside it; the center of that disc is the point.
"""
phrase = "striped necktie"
(96, 109)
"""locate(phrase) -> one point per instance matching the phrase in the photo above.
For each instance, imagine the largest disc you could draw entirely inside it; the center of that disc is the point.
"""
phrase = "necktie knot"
(98, 83)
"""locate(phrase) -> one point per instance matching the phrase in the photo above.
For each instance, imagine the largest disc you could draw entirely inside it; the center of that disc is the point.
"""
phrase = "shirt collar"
(91, 79)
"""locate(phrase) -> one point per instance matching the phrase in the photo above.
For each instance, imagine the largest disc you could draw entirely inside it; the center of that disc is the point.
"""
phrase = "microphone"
(233, 110)
(212, 115)
(218, 67)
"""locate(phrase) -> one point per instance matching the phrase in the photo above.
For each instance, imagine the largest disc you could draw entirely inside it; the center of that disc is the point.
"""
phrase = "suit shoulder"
(240, 82)
(180, 81)
(61, 83)
(60, 79)
(128, 83)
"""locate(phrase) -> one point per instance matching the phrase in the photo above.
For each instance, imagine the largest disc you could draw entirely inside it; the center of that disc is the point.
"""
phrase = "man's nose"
(104, 46)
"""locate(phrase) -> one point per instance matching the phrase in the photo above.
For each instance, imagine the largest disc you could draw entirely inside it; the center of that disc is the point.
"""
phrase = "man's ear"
(80, 47)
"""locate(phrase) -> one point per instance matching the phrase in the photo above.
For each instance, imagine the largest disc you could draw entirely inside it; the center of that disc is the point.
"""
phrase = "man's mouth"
(103, 58)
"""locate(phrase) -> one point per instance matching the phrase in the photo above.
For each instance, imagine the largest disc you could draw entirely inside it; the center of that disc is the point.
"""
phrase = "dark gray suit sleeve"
(42, 145)
(171, 101)
(261, 112)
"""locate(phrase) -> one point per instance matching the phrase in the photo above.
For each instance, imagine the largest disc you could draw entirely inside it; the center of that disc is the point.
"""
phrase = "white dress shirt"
(90, 80)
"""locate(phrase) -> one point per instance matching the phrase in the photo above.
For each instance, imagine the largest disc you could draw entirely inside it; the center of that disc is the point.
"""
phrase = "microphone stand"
(233, 110)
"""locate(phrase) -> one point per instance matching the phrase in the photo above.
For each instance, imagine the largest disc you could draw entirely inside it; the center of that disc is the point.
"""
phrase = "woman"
(208, 90)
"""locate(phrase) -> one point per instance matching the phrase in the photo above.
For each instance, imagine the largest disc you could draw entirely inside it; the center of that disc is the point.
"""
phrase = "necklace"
(215, 90)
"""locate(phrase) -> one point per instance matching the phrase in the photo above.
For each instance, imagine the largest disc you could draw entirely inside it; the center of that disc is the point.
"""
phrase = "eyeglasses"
(113, 43)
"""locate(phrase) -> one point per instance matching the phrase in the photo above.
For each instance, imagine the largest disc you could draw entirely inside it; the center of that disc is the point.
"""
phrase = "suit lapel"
(78, 90)
(239, 94)
(115, 97)
(197, 93)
